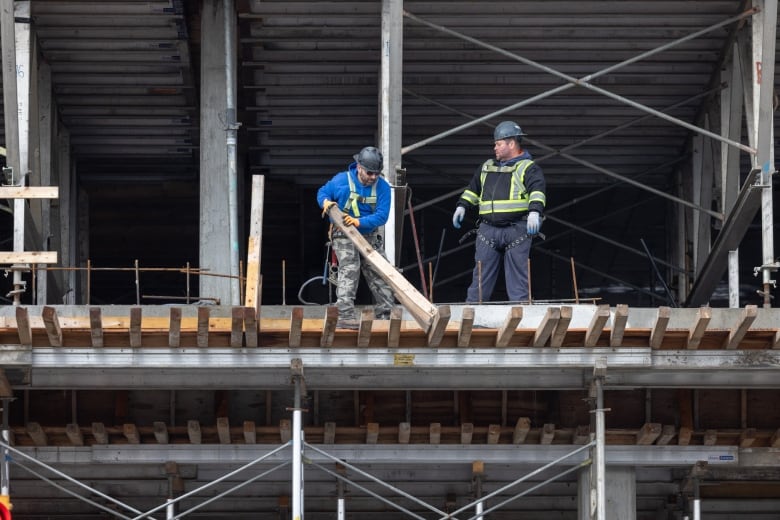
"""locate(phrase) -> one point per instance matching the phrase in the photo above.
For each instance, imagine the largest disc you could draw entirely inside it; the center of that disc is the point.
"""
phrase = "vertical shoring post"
(478, 494)
(341, 513)
(5, 480)
(297, 470)
(600, 466)
(231, 141)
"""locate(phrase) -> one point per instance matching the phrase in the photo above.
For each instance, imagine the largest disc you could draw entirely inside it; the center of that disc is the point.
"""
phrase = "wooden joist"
(135, 327)
(493, 433)
(223, 430)
(193, 432)
(438, 326)
(364, 329)
(466, 433)
(250, 432)
(250, 327)
(559, 334)
(684, 436)
(596, 326)
(174, 327)
(404, 433)
(434, 433)
(37, 434)
(74, 434)
(329, 433)
(52, 324)
(738, 332)
(160, 430)
(130, 431)
(548, 434)
(99, 433)
(6, 390)
(668, 432)
(96, 327)
(546, 328)
(296, 327)
(28, 257)
(372, 433)
(285, 430)
(329, 326)
(466, 326)
(23, 326)
(394, 328)
(710, 438)
(648, 434)
(618, 325)
(203, 327)
(507, 330)
(581, 435)
(659, 327)
(747, 437)
(696, 333)
(237, 327)
(522, 427)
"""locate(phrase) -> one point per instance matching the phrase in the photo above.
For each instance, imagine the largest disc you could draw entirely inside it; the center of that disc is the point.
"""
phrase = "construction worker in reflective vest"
(509, 192)
(364, 198)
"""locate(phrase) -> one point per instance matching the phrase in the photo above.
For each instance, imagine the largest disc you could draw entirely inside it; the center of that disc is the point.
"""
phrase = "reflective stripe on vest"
(518, 197)
(355, 197)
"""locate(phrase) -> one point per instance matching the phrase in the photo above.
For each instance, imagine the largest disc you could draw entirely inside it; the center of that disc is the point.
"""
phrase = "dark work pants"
(511, 243)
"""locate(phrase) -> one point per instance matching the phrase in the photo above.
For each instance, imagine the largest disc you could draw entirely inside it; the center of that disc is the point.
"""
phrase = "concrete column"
(620, 493)
(214, 185)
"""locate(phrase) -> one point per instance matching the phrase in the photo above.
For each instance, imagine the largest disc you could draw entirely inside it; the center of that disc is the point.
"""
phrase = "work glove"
(457, 217)
(349, 220)
(326, 205)
(534, 223)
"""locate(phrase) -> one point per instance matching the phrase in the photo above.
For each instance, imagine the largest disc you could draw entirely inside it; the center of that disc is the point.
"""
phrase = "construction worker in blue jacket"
(364, 198)
(509, 192)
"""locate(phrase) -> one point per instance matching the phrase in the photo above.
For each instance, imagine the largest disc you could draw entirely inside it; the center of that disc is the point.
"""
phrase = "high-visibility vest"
(517, 199)
(354, 198)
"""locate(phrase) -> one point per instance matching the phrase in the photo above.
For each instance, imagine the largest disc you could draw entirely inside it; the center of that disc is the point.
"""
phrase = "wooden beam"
(174, 327)
(28, 257)
(74, 434)
(250, 432)
(130, 432)
(254, 246)
(494, 433)
(548, 434)
(648, 433)
(23, 328)
(404, 432)
(99, 433)
(684, 437)
(372, 433)
(37, 434)
(696, 333)
(223, 430)
(559, 334)
(774, 442)
(776, 341)
(546, 327)
(135, 327)
(466, 433)
(507, 330)
(296, 327)
(738, 332)
(668, 432)
(434, 433)
(581, 435)
(407, 294)
(710, 437)
(160, 430)
(193, 432)
(466, 326)
(364, 330)
(285, 430)
(522, 428)
(659, 327)
(96, 327)
(237, 327)
(52, 324)
(250, 326)
(747, 437)
(439, 326)
(203, 327)
(29, 192)
(596, 326)
(329, 326)
(394, 329)
(618, 325)
(329, 433)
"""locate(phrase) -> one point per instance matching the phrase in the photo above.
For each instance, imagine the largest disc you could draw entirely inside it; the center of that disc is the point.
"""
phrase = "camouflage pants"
(350, 266)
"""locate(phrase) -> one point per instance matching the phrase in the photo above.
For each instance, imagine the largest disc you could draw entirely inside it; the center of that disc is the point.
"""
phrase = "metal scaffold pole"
(297, 438)
(599, 466)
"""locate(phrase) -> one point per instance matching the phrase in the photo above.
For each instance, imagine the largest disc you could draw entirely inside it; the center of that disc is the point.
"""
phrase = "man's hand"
(349, 220)
(457, 217)
(326, 205)
(534, 223)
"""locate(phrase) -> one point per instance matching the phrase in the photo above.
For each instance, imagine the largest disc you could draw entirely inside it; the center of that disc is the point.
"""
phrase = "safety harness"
(354, 198)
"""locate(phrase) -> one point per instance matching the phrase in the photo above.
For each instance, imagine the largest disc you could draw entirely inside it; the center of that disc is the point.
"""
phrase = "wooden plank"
(545, 329)
(366, 324)
(135, 327)
(710, 438)
(596, 326)
(329, 433)
(684, 437)
(738, 332)
(422, 310)
(52, 325)
(776, 341)
(193, 432)
(774, 442)
(29, 192)
(404, 432)
(466, 326)
(522, 427)
(372, 433)
(174, 327)
(507, 330)
(434, 433)
(668, 432)
(223, 430)
(36, 433)
(329, 326)
(548, 434)
(285, 430)
(439, 326)
(696, 333)
(493, 433)
(250, 327)
(659, 327)
(96, 327)
(559, 334)
(296, 327)
(618, 325)
(394, 329)
(130, 432)
(581, 435)
(254, 245)
(237, 327)
(648, 433)
(466, 433)
(74, 434)
(160, 430)
(203, 327)
(99, 433)
(23, 328)
(250, 432)
(747, 437)
(28, 257)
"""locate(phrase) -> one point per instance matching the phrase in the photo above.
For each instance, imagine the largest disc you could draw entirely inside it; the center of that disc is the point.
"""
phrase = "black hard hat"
(507, 129)
(369, 158)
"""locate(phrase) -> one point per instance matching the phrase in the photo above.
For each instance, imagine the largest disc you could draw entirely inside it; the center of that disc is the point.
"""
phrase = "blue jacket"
(337, 189)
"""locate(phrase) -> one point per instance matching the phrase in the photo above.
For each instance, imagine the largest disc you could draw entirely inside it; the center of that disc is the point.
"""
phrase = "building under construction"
(168, 338)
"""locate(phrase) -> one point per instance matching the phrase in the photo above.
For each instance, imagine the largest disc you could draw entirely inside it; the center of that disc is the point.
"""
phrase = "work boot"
(347, 324)
(382, 315)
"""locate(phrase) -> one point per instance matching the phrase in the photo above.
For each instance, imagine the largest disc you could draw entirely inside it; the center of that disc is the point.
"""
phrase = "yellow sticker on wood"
(403, 360)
